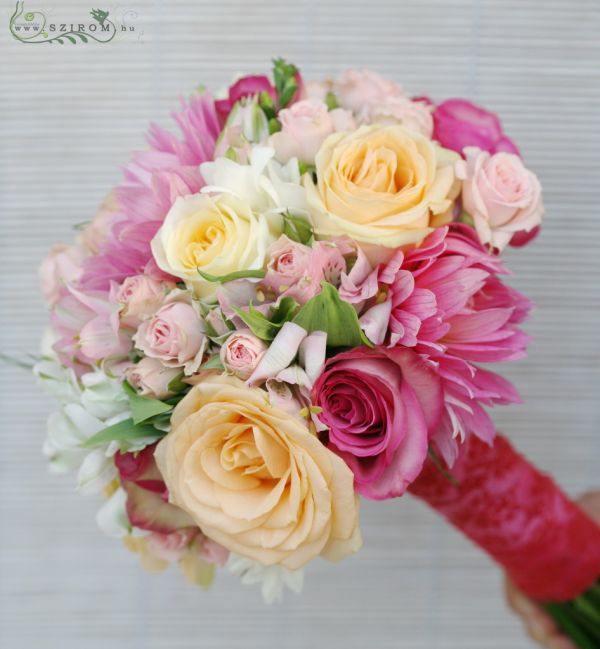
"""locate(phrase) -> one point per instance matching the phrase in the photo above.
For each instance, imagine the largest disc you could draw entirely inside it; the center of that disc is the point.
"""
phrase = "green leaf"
(284, 75)
(70, 38)
(274, 125)
(267, 328)
(144, 408)
(83, 38)
(123, 431)
(240, 274)
(213, 363)
(266, 103)
(297, 229)
(328, 312)
(331, 101)
(177, 385)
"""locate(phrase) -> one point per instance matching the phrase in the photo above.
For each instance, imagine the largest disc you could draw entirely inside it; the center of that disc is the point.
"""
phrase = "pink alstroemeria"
(87, 324)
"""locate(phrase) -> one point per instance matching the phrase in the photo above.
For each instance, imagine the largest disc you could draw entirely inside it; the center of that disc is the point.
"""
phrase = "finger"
(541, 628)
(560, 642)
(590, 503)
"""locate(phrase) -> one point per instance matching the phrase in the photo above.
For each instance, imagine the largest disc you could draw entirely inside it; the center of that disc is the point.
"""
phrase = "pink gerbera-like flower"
(446, 301)
(153, 180)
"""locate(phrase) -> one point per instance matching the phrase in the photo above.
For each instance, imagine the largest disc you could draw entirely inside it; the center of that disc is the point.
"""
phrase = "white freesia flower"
(273, 579)
(264, 184)
(112, 516)
(103, 396)
(67, 430)
(96, 472)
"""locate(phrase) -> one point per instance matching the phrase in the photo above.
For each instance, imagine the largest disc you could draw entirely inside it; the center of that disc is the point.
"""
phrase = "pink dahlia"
(446, 301)
(153, 180)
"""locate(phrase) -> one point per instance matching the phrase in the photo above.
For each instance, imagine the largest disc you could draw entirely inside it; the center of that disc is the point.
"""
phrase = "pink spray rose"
(296, 270)
(140, 296)
(62, 265)
(458, 123)
(415, 115)
(304, 127)
(241, 353)
(151, 377)
(363, 90)
(244, 87)
(173, 335)
(380, 406)
(502, 196)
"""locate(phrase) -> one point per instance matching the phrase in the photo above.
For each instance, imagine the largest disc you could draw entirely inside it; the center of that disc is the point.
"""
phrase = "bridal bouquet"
(286, 307)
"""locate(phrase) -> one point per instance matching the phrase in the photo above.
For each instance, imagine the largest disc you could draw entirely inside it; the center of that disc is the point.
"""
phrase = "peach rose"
(382, 185)
(255, 479)
(501, 195)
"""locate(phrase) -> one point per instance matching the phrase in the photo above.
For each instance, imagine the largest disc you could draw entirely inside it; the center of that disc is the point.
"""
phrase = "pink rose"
(173, 335)
(458, 123)
(241, 353)
(296, 270)
(140, 296)
(502, 196)
(415, 115)
(244, 87)
(363, 90)
(151, 378)
(304, 127)
(380, 406)
(62, 265)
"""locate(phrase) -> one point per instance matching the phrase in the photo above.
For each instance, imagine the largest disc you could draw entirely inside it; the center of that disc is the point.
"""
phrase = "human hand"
(540, 626)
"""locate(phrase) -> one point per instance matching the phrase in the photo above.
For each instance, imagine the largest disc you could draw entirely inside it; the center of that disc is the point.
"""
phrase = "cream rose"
(255, 479)
(218, 234)
(380, 184)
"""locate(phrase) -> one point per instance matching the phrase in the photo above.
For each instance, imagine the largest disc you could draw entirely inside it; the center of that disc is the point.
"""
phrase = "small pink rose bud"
(173, 335)
(140, 296)
(151, 377)
(242, 352)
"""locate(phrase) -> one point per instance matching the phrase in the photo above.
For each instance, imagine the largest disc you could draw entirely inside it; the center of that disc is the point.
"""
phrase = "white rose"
(216, 234)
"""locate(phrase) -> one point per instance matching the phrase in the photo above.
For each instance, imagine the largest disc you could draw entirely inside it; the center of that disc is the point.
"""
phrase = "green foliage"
(144, 408)
(266, 328)
(329, 313)
(284, 75)
(124, 431)
(230, 277)
(297, 228)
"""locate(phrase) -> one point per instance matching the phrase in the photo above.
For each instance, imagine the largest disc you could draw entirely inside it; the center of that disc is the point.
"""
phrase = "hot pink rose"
(140, 296)
(151, 377)
(244, 87)
(62, 265)
(458, 123)
(296, 270)
(501, 195)
(173, 335)
(380, 406)
(304, 127)
(363, 90)
(241, 353)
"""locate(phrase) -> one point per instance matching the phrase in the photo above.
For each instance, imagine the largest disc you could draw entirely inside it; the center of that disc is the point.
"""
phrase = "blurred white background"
(70, 115)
